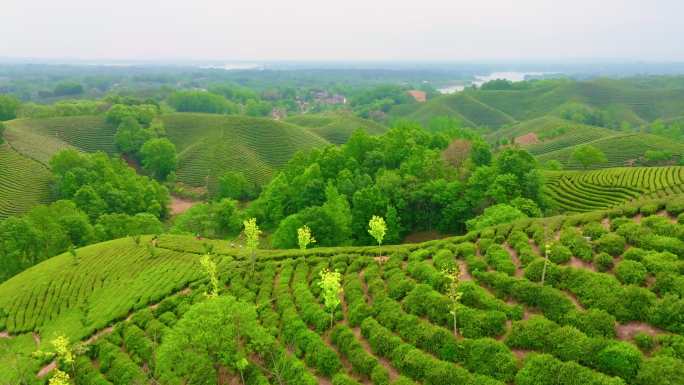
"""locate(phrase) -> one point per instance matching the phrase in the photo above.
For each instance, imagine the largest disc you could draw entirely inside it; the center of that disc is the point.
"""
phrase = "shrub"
(635, 254)
(444, 259)
(630, 272)
(594, 230)
(611, 243)
(644, 341)
(559, 253)
(649, 208)
(380, 375)
(660, 371)
(603, 262)
(675, 206)
(619, 359)
(343, 379)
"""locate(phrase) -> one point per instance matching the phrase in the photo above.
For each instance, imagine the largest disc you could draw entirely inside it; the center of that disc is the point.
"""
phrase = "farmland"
(24, 183)
(620, 150)
(40, 139)
(599, 189)
(393, 323)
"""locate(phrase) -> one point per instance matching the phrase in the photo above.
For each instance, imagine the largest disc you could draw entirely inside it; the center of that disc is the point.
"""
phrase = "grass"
(599, 189)
(209, 145)
(336, 127)
(24, 183)
(620, 150)
(117, 279)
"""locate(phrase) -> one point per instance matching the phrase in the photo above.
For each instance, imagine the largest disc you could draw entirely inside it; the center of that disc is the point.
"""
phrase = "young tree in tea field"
(453, 293)
(252, 233)
(332, 288)
(304, 237)
(377, 228)
(588, 155)
(209, 267)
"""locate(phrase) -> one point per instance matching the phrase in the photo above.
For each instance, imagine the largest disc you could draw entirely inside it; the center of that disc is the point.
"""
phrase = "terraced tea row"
(41, 138)
(599, 189)
(620, 150)
(24, 183)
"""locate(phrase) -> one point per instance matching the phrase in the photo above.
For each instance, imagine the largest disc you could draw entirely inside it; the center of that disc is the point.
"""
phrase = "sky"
(347, 30)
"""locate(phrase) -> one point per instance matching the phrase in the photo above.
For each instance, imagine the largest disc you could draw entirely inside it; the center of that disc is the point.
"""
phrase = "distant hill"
(208, 145)
(470, 111)
(336, 127)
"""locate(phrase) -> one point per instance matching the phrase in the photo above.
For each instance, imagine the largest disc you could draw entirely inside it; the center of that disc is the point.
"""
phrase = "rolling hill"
(209, 145)
(336, 127)
(40, 139)
(552, 134)
(597, 320)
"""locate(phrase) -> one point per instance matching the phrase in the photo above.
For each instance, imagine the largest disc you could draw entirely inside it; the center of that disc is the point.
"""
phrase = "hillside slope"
(24, 183)
(599, 189)
(620, 150)
(209, 145)
(394, 311)
(40, 139)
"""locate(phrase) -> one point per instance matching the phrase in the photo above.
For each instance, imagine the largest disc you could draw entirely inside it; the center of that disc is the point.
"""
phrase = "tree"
(201, 101)
(68, 89)
(207, 339)
(454, 294)
(130, 136)
(304, 237)
(377, 228)
(588, 155)
(8, 107)
(494, 215)
(393, 226)
(332, 288)
(252, 233)
(209, 267)
(159, 157)
(234, 185)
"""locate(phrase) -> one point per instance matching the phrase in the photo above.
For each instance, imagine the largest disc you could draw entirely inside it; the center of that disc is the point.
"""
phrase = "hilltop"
(336, 127)
(603, 316)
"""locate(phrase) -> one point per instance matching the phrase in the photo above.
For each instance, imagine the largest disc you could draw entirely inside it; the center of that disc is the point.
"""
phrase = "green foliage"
(131, 136)
(377, 228)
(214, 220)
(589, 156)
(234, 185)
(100, 185)
(8, 107)
(198, 101)
(304, 237)
(210, 333)
(159, 157)
(630, 272)
(497, 214)
(611, 243)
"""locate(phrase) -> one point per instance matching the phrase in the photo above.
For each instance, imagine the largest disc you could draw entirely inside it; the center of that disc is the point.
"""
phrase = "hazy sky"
(343, 29)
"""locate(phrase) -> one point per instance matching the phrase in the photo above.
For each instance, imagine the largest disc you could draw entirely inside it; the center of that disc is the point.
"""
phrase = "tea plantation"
(609, 311)
(592, 190)
(24, 182)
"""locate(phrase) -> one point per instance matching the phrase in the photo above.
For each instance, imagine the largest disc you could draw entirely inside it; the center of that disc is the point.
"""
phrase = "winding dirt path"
(463, 273)
(180, 205)
(519, 272)
(5, 335)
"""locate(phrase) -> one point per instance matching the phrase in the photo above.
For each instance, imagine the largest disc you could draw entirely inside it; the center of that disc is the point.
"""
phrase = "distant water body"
(482, 79)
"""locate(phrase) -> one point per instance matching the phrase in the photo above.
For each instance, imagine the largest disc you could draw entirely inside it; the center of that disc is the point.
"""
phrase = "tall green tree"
(377, 228)
(332, 289)
(8, 107)
(159, 157)
(589, 155)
